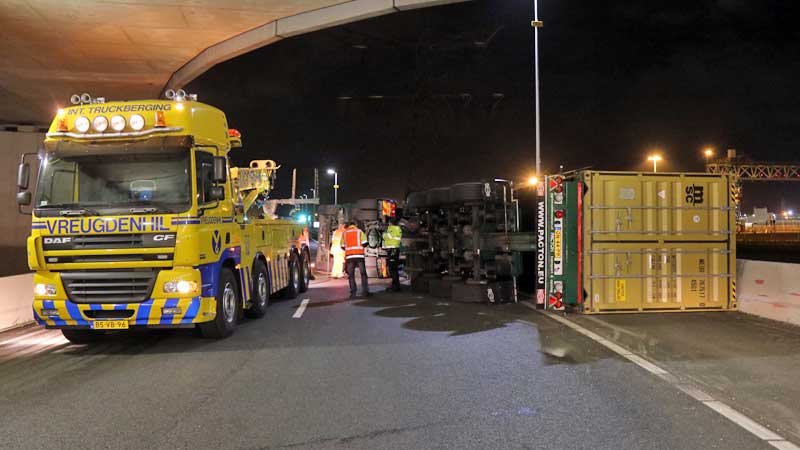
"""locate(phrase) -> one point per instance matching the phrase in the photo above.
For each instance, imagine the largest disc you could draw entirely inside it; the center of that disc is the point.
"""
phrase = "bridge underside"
(52, 49)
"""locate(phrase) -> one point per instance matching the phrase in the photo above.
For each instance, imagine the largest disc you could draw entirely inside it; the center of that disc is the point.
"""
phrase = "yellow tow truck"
(138, 220)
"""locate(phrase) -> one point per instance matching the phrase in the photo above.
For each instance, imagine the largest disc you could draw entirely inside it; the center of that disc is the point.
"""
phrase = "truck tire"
(260, 292)
(291, 291)
(366, 215)
(228, 305)
(367, 203)
(374, 238)
(467, 192)
(328, 210)
(305, 270)
(439, 196)
(417, 200)
(82, 336)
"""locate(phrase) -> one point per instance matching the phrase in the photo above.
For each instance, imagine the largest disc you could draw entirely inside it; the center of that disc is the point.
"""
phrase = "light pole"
(655, 159)
(536, 24)
(335, 185)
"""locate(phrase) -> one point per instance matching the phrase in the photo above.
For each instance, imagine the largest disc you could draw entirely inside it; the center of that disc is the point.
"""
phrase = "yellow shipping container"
(631, 277)
(633, 206)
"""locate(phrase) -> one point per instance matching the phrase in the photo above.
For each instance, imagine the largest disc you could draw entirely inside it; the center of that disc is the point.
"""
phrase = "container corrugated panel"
(649, 277)
(632, 206)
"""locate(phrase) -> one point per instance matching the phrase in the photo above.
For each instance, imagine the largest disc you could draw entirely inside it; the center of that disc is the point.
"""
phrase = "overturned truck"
(463, 242)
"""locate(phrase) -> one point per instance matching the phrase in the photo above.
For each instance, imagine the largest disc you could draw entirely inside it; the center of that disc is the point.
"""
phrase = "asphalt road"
(396, 371)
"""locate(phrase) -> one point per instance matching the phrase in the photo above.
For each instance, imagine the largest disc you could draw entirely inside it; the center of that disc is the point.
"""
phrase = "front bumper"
(148, 313)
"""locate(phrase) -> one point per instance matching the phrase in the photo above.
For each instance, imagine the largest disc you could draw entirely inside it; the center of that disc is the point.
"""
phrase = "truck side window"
(205, 174)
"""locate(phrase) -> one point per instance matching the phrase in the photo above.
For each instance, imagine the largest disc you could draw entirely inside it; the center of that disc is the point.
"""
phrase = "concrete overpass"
(129, 49)
(136, 48)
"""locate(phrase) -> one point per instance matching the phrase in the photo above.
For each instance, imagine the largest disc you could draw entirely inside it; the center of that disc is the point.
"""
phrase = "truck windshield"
(116, 181)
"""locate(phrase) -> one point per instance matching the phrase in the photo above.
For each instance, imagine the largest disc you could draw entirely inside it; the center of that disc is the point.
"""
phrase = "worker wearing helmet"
(391, 243)
(353, 242)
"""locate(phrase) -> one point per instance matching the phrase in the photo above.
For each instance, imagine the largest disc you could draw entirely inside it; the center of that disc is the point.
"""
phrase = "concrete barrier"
(769, 289)
(16, 297)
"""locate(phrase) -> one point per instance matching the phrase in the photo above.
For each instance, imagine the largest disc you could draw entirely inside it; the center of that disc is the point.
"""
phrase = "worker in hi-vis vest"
(353, 242)
(337, 251)
(391, 243)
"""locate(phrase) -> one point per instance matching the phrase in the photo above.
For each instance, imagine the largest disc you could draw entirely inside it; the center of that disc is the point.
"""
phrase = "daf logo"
(163, 237)
(57, 240)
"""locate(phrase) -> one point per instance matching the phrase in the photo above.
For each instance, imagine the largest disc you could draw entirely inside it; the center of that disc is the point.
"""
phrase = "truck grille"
(119, 286)
(107, 241)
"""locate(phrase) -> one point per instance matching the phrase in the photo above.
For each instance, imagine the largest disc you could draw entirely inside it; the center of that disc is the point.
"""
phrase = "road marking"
(746, 423)
(300, 309)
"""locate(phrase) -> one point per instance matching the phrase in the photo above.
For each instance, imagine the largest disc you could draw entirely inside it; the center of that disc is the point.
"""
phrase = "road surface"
(395, 371)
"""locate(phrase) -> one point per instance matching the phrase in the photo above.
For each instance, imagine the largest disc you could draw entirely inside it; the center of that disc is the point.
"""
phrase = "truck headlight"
(100, 124)
(42, 289)
(136, 122)
(82, 124)
(117, 123)
(180, 287)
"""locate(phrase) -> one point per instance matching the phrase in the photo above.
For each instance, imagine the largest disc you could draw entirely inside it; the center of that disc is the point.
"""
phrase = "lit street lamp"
(709, 152)
(655, 159)
(335, 185)
(533, 181)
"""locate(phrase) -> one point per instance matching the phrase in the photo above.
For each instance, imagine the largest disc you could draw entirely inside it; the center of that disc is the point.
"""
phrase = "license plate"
(110, 325)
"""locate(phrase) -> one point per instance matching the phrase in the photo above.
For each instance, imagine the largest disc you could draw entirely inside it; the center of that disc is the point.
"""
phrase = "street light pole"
(336, 188)
(536, 25)
(335, 185)
(655, 159)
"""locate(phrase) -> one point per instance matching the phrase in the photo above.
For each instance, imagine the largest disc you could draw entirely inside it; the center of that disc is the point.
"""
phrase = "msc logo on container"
(694, 194)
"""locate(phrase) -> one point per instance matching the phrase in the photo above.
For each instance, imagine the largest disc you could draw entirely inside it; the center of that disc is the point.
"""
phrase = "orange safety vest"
(353, 242)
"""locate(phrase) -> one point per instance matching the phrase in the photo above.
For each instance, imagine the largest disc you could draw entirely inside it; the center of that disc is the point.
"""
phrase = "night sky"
(436, 96)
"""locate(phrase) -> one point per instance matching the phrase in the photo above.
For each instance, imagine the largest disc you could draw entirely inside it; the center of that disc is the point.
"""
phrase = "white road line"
(746, 423)
(300, 309)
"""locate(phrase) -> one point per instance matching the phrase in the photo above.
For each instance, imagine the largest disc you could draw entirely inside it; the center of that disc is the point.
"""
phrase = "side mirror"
(24, 198)
(23, 175)
(220, 169)
(217, 193)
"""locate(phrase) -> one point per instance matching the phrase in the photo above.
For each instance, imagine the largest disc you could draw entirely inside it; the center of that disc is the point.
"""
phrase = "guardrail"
(765, 229)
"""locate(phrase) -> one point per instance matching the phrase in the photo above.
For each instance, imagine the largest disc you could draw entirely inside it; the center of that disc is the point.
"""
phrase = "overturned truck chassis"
(464, 241)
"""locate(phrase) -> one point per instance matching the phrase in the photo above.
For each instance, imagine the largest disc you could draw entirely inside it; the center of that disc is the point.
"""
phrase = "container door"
(701, 209)
(619, 208)
(615, 279)
(666, 207)
(659, 277)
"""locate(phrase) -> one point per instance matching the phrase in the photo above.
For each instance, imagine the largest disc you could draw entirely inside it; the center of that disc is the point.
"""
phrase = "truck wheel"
(305, 271)
(82, 336)
(227, 308)
(293, 288)
(367, 204)
(260, 292)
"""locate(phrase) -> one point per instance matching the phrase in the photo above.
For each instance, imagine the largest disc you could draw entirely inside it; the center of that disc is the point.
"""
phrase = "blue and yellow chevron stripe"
(149, 312)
